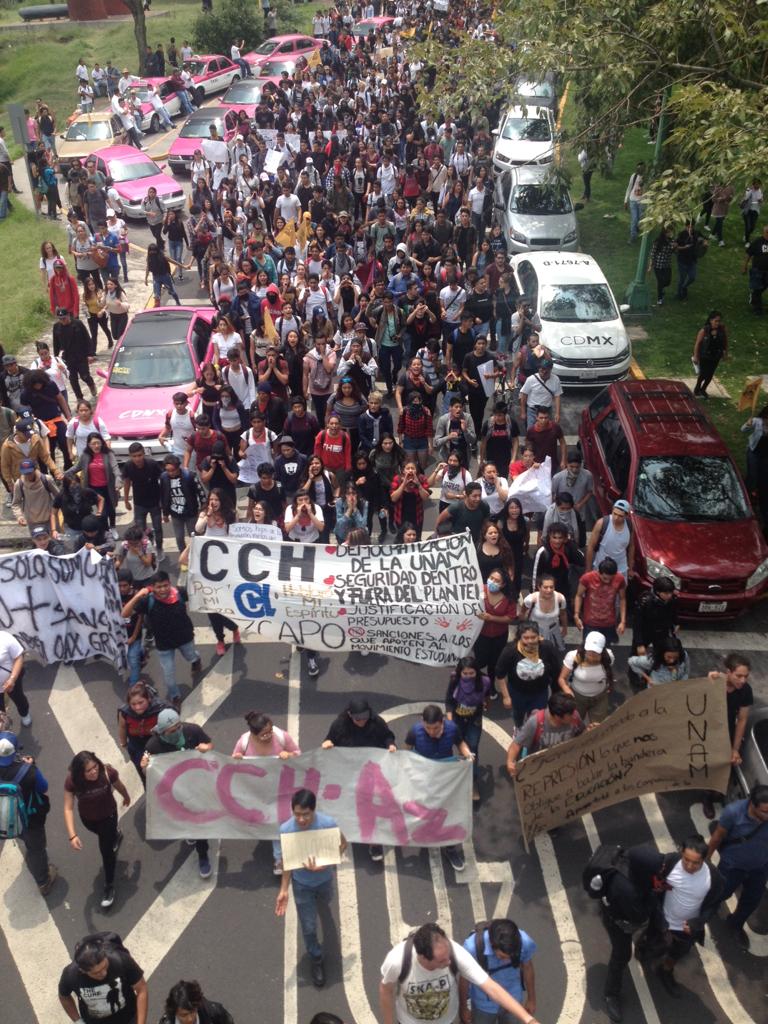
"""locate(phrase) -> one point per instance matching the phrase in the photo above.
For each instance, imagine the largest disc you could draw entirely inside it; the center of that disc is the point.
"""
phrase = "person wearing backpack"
(612, 536)
(12, 675)
(186, 1004)
(506, 953)
(558, 722)
(165, 611)
(33, 497)
(420, 979)
(103, 983)
(90, 782)
(24, 806)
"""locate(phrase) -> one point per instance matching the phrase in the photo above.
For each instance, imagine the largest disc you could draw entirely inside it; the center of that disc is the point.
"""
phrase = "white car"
(580, 322)
(526, 135)
(534, 211)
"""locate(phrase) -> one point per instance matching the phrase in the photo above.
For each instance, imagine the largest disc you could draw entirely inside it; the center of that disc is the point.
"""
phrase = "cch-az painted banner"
(63, 608)
(397, 799)
(419, 602)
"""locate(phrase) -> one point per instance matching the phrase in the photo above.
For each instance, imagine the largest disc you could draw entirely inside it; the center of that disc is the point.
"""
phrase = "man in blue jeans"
(165, 611)
(311, 884)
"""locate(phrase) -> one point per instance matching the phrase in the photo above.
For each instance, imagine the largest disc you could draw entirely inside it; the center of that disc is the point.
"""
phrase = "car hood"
(73, 150)
(524, 151)
(135, 190)
(703, 551)
(185, 147)
(135, 412)
(533, 225)
(583, 340)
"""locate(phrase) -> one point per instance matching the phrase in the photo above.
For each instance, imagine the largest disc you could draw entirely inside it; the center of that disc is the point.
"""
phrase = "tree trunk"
(136, 7)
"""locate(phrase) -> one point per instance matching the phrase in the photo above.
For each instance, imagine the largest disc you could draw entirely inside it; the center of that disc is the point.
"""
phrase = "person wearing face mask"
(466, 698)
(170, 735)
(555, 557)
(498, 614)
(415, 429)
(455, 432)
(527, 672)
(453, 479)
(186, 1004)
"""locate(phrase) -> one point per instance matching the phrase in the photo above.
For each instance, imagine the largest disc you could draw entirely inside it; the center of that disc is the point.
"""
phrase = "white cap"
(595, 642)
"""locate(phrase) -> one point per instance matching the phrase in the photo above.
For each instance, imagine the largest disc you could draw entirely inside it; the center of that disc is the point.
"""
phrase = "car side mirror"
(498, 206)
(578, 206)
(495, 131)
(102, 374)
(625, 307)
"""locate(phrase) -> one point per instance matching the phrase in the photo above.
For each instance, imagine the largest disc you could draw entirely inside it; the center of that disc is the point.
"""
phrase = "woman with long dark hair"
(710, 346)
(160, 269)
(498, 614)
(465, 700)
(115, 307)
(186, 1003)
(90, 782)
(135, 721)
(214, 521)
(99, 471)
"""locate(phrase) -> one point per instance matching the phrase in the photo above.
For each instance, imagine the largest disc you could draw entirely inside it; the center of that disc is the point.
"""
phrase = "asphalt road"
(224, 931)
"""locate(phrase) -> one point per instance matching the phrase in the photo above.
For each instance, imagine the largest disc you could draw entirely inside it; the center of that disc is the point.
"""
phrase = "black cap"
(359, 709)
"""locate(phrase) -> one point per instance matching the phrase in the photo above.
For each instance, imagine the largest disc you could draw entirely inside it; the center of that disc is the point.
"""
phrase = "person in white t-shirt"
(419, 981)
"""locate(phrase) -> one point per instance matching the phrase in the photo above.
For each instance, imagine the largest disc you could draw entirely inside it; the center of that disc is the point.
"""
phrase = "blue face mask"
(493, 588)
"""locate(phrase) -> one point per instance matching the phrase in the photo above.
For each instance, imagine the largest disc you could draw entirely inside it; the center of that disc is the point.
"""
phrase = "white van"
(580, 321)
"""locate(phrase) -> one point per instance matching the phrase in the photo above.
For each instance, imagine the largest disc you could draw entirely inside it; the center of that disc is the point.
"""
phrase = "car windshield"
(89, 131)
(543, 89)
(243, 92)
(141, 92)
(152, 366)
(196, 67)
(273, 68)
(526, 129)
(543, 200)
(689, 487)
(199, 129)
(132, 171)
(266, 47)
(577, 303)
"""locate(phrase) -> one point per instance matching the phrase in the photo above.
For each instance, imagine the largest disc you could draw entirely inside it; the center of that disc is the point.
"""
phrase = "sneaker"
(738, 932)
(197, 665)
(8, 501)
(236, 638)
(114, 534)
(53, 874)
(318, 972)
(376, 851)
(475, 795)
(205, 868)
(313, 668)
(161, 555)
(108, 898)
(220, 649)
(721, 244)
(176, 704)
(190, 842)
(277, 867)
(26, 720)
(455, 857)
(708, 808)
(668, 980)
(659, 302)
(117, 842)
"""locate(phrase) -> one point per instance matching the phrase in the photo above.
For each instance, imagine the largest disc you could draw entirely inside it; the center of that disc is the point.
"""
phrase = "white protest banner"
(533, 488)
(399, 799)
(272, 160)
(413, 601)
(669, 737)
(256, 531)
(63, 609)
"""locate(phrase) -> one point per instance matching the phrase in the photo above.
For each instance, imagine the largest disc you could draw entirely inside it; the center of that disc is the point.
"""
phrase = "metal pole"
(636, 294)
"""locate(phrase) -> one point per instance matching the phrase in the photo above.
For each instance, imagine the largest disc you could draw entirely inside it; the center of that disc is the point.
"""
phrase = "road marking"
(169, 916)
(291, 933)
(398, 928)
(213, 689)
(638, 977)
(713, 965)
(84, 728)
(758, 944)
(34, 941)
(360, 1008)
(442, 903)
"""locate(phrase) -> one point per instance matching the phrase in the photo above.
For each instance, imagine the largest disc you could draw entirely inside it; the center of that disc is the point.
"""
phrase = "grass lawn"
(672, 328)
(24, 313)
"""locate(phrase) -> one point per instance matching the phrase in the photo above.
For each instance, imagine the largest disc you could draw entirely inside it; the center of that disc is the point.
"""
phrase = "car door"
(502, 190)
(616, 460)
(528, 282)
(170, 98)
(228, 72)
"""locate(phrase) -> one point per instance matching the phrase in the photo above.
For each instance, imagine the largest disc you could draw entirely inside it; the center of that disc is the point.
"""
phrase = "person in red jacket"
(62, 290)
(333, 446)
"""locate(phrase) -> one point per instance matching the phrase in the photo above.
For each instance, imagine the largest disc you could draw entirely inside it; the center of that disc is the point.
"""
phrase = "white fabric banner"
(397, 799)
(413, 601)
(533, 488)
(63, 609)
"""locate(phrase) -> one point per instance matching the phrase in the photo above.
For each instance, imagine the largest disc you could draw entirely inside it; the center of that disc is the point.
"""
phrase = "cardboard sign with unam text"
(669, 737)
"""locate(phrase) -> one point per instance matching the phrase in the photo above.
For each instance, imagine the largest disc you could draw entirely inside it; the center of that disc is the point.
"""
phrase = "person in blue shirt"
(312, 884)
(506, 953)
(33, 787)
(434, 737)
(741, 836)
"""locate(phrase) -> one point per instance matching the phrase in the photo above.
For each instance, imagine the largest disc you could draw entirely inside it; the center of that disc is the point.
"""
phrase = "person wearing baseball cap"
(587, 676)
(169, 735)
(612, 537)
(358, 726)
(23, 445)
(24, 773)
(33, 497)
(43, 541)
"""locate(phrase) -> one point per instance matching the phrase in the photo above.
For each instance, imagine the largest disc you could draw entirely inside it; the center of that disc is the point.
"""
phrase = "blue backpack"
(14, 812)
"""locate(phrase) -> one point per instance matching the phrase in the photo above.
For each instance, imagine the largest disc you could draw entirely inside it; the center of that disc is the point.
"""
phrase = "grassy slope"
(672, 327)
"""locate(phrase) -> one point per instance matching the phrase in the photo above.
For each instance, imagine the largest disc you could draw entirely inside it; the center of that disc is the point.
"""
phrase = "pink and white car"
(133, 173)
(211, 73)
(159, 354)
(197, 128)
(150, 122)
(287, 47)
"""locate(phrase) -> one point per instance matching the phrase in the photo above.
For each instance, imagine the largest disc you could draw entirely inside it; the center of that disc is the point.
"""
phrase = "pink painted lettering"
(173, 807)
(375, 799)
(229, 801)
(287, 785)
(433, 830)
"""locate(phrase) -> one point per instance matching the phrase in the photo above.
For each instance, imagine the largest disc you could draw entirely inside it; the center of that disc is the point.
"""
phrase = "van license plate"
(588, 374)
(713, 606)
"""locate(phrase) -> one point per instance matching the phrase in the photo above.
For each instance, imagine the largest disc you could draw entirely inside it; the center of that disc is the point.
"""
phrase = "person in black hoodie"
(358, 726)
(554, 558)
(186, 1004)
(655, 616)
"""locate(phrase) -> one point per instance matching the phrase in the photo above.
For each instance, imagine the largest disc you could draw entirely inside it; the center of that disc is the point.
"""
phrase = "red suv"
(649, 441)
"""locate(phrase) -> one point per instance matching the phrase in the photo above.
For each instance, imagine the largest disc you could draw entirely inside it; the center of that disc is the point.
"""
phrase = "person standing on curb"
(421, 978)
(311, 884)
(170, 735)
(31, 800)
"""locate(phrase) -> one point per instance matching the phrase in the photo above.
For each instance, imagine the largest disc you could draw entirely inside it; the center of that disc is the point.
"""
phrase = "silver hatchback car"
(535, 212)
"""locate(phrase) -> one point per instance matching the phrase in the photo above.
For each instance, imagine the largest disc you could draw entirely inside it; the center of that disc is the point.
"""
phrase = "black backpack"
(480, 929)
(405, 967)
(605, 862)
